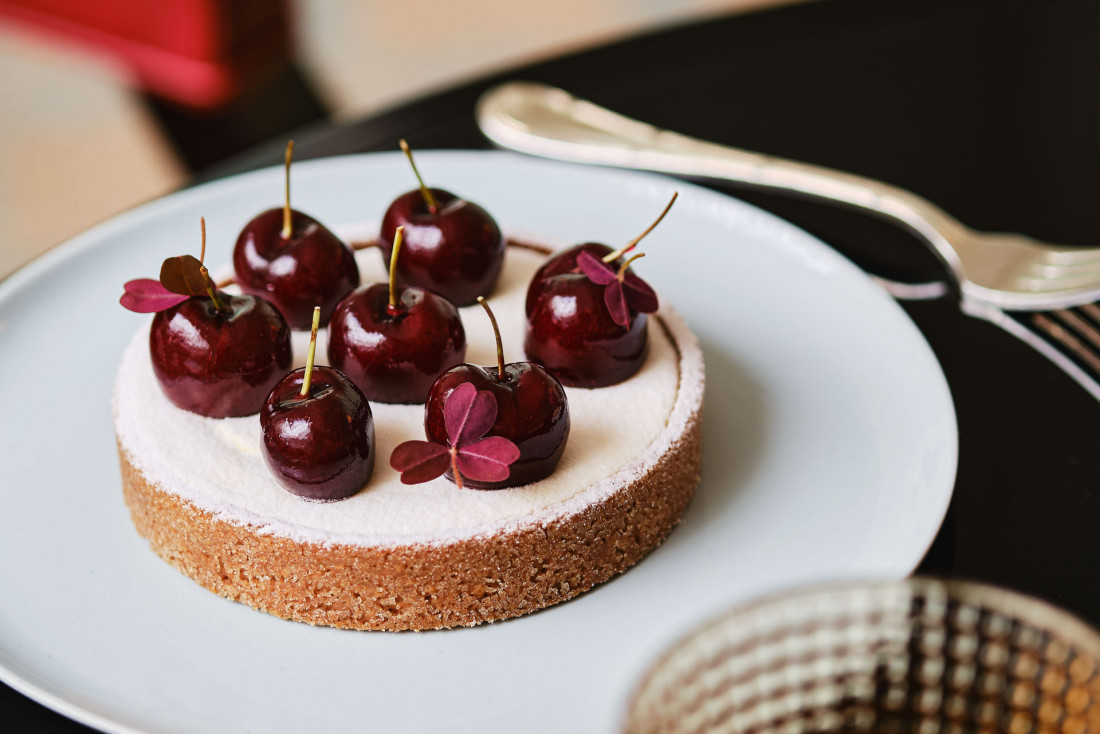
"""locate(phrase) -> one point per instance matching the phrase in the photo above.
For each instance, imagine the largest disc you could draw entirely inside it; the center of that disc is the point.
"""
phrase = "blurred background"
(112, 103)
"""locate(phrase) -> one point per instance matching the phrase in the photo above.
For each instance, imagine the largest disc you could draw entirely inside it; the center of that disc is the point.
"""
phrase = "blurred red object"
(199, 53)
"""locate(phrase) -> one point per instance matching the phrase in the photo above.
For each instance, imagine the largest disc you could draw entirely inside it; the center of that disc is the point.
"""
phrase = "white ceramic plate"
(830, 451)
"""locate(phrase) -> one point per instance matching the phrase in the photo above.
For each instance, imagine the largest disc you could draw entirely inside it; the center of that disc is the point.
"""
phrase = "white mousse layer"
(617, 433)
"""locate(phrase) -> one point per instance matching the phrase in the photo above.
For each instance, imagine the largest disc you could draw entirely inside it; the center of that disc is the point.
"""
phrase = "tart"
(426, 556)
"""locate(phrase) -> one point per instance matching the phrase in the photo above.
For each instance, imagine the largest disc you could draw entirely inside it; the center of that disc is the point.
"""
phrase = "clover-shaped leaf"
(624, 290)
(468, 415)
(181, 277)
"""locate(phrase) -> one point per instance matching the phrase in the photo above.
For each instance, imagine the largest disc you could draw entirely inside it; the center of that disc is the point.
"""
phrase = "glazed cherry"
(213, 354)
(532, 412)
(571, 333)
(394, 342)
(292, 260)
(452, 246)
(219, 361)
(318, 433)
(586, 314)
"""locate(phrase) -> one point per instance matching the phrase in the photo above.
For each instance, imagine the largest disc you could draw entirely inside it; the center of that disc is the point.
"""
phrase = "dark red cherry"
(452, 246)
(293, 261)
(311, 267)
(219, 362)
(318, 446)
(457, 251)
(395, 354)
(394, 341)
(532, 412)
(586, 313)
(571, 332)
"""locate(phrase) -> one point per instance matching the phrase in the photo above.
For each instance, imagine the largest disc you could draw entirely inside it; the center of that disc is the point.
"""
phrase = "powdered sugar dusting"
(618, 433)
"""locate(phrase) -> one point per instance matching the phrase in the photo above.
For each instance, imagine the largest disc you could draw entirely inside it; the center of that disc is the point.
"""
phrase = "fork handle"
(549, 122)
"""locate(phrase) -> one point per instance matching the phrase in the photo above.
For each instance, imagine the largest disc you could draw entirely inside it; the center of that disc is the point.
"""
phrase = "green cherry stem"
(287, 228)
(312, 351)
(496, 333)
(429, 199)
(622, 270)
(207, 282)
(398, 238)
(219, 305)
(612, 257)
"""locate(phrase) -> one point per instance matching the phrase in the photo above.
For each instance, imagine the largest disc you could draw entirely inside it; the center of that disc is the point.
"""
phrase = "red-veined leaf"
(468, 414)
(183, 274)
(597, 271)
(487, 460)
(420, 461)
(146, 295)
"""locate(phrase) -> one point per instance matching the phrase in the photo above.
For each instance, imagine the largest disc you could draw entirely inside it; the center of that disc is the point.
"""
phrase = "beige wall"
(76, 148)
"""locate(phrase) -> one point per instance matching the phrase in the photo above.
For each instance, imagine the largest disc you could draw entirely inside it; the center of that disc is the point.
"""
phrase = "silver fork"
(1040, 293)
(1002, 270)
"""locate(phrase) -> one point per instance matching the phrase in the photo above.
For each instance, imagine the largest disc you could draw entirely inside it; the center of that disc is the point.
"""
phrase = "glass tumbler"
(919, 655)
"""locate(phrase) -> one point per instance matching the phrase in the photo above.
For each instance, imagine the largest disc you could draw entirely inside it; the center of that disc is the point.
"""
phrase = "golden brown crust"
(421, 587)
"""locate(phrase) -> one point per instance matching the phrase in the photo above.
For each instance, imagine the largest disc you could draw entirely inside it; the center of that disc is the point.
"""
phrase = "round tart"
(426, 556)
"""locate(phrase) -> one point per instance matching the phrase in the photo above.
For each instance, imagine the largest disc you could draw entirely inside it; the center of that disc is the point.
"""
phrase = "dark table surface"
(990, 108)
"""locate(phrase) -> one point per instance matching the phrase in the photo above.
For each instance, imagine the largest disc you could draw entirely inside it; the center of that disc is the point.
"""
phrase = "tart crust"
(421, 586)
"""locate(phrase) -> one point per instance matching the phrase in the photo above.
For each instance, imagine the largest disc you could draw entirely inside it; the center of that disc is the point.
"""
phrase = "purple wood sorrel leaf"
(468, 414)
(146, 295)
(183, 274)
(420, 461)
(624, 290)
(487, 460)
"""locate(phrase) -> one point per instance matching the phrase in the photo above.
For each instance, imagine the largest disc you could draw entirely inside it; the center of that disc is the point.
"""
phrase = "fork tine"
(1056, 341)
(1081, 325)
(1092, 310)
(1067, 340)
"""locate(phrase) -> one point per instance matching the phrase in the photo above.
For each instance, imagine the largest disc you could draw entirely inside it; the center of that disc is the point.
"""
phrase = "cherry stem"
(312, 351)
(622, 270)
(454, 467)
(287, 229)
(612, 257)
(207, 282)
(429, 199)
(496, 333)
(398, 238)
